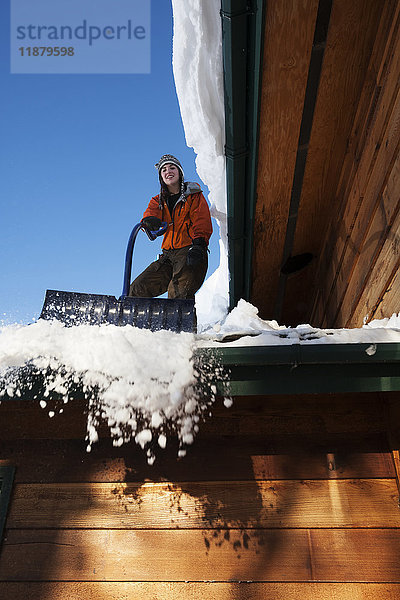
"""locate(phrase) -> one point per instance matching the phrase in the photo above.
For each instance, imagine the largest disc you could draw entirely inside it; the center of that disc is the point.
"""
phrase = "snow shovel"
(73, 308)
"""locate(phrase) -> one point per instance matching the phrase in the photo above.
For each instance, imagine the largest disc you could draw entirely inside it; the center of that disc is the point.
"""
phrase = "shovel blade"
(73, 308)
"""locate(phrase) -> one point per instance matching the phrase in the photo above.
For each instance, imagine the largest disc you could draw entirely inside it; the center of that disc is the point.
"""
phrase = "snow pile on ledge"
(243, 327)
(144, 385)
(147, 385)
(198, 73)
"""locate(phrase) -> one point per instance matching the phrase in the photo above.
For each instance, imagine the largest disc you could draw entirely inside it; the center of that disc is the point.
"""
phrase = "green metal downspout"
(242, 46)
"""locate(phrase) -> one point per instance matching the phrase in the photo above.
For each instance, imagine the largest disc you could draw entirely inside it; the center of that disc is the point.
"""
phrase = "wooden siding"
(198, 591)
(279, 497)
(348, 216)
(361, 254)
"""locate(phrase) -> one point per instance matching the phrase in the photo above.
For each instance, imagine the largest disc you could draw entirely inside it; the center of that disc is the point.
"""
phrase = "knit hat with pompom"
(168, 159)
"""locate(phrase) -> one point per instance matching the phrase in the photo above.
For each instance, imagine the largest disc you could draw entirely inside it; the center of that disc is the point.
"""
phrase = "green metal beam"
(311, 369)
(242, 44)
(290, 369)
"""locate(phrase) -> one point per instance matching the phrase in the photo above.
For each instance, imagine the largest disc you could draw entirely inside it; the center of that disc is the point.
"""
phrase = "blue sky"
(77, 171)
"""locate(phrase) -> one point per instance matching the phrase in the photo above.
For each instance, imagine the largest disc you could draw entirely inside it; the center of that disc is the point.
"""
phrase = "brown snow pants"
(170, 273)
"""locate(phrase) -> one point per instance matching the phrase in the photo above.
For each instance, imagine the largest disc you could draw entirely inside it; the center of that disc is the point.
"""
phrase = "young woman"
(182, 266)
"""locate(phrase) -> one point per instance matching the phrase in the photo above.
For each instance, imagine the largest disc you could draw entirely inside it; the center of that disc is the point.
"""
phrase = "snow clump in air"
(144, 385)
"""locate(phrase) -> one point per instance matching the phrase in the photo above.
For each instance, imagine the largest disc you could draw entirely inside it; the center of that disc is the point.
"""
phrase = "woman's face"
(170, 176)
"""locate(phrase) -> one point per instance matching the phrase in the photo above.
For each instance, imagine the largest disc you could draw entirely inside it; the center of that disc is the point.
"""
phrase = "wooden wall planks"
(361, 234)
(197, 591)
(376, 283)
(26, 419)
(377, 250)
(211, 459)
(356, 555)
(352, 283)
(293, 503)
(249, 416)
(207, 505)
(388, 301)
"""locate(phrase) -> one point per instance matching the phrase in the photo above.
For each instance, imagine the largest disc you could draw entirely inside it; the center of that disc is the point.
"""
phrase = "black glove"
(151, 223)
(197, 252)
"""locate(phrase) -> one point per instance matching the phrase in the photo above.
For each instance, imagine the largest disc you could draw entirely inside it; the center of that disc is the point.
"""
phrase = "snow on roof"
(245, 328)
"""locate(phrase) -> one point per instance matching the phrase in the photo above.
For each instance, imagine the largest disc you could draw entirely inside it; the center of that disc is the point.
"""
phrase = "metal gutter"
(242, 47)
(306, 368)
(310, 368)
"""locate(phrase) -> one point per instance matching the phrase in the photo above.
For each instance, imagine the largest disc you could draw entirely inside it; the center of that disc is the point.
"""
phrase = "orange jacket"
(190, 218)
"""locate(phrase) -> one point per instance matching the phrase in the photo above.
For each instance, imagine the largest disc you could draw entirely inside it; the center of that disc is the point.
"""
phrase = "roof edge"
(310, 368)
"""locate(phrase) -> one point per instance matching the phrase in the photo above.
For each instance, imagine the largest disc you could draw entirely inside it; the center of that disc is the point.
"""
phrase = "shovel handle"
(152, 235)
